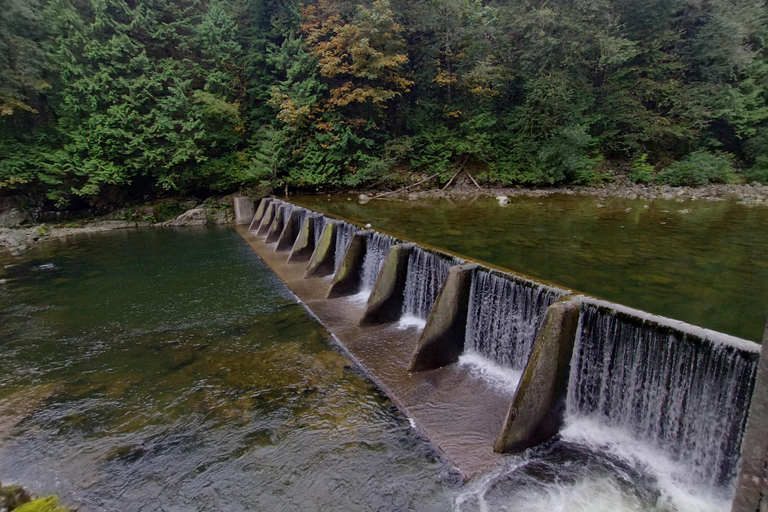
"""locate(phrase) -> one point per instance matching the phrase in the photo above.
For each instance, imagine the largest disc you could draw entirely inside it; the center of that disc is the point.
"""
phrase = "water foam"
(497, 376)
(409, 321)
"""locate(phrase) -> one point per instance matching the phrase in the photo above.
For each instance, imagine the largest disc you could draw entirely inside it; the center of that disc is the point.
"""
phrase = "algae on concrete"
(305, 243)
(386, 301)
(348, 278)
(267, 220)
(322, 262)
(276, 228)
(290, 232)
(260, 211)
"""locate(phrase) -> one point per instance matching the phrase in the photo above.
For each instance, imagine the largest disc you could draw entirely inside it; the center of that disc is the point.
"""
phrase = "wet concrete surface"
(460, 413)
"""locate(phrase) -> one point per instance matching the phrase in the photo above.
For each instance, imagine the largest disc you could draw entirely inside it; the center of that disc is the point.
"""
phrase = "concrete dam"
(484, 361)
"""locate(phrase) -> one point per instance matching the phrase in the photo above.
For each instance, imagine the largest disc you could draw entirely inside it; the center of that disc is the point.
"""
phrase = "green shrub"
(759, 171)
(699, 168)
(378, 169)
(642, 171)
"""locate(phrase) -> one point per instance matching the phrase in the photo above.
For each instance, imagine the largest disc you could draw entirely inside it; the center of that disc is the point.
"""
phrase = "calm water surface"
(170, 370)
(705, 263)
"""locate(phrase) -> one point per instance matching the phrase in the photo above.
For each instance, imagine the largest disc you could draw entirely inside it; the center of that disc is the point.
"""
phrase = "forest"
(107, 100)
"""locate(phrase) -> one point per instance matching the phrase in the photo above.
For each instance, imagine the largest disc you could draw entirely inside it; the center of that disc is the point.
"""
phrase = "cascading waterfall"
(344, 232)
(320, 221)
(426, 273)
(504, 315)
(377, 247)
(287, 212)
(683, 395)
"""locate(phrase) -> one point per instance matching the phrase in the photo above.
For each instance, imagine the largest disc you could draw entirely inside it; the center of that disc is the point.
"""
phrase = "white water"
(344, 232)
(681, 394)
(319, 224)
(673, 482)
(377, 247)
(425, 276)
(409, 321)
(504, 315)
(612, 472)
(497, 376)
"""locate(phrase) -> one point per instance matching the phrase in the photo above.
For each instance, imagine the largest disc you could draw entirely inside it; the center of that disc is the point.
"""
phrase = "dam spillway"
(678, 388)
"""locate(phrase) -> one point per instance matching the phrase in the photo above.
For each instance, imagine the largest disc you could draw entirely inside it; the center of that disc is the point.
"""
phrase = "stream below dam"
(705, 263)
(172, 370)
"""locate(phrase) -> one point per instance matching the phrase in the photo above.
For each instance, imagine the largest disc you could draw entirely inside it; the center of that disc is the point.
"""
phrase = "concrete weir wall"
(752, 484)
(417, 366)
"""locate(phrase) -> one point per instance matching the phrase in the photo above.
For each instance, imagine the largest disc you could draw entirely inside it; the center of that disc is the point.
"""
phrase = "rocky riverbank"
(748, 194)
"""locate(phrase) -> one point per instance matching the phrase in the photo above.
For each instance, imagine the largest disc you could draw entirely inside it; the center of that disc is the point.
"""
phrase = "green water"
(705, 263)
(171, 370)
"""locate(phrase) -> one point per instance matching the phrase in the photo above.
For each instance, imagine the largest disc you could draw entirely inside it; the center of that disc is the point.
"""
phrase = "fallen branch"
(461, 168)
(452, 178)
(406, 188)
(473, 179)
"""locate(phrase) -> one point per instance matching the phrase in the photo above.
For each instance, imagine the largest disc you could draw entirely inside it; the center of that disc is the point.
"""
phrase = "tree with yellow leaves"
(364, 57)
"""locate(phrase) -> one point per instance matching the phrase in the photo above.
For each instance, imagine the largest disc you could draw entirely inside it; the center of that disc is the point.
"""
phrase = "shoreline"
(15, 240)
(746, 194)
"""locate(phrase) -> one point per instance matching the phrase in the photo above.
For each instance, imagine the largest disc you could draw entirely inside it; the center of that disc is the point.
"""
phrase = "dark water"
(171, 370)
(705, 263)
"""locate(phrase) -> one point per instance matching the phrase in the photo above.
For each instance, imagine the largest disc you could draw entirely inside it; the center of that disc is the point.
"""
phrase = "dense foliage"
(102, 98)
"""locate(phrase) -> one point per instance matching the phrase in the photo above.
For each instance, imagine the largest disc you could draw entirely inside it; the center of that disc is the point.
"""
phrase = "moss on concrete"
(305, 243)
(290, 232)
(276, 228)
(386, 301)
(260, 211)
(267, 220)
(348, 277)
(322, 262)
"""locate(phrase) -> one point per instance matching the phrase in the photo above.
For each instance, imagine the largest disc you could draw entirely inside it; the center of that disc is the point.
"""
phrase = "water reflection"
(701, 262)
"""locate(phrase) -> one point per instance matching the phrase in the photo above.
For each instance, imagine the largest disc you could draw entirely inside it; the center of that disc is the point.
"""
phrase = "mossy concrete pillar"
(290, 231)
(266, 221)
(322, 262)
(243, 209)
(442, 341)
(538, 409)
(260, 211)
(752, 484)
(348, 278)
(278, 223)
(305, 242)
(386, 301)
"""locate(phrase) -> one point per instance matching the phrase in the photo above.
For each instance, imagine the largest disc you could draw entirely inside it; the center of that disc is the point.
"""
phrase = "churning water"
(682, 395)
